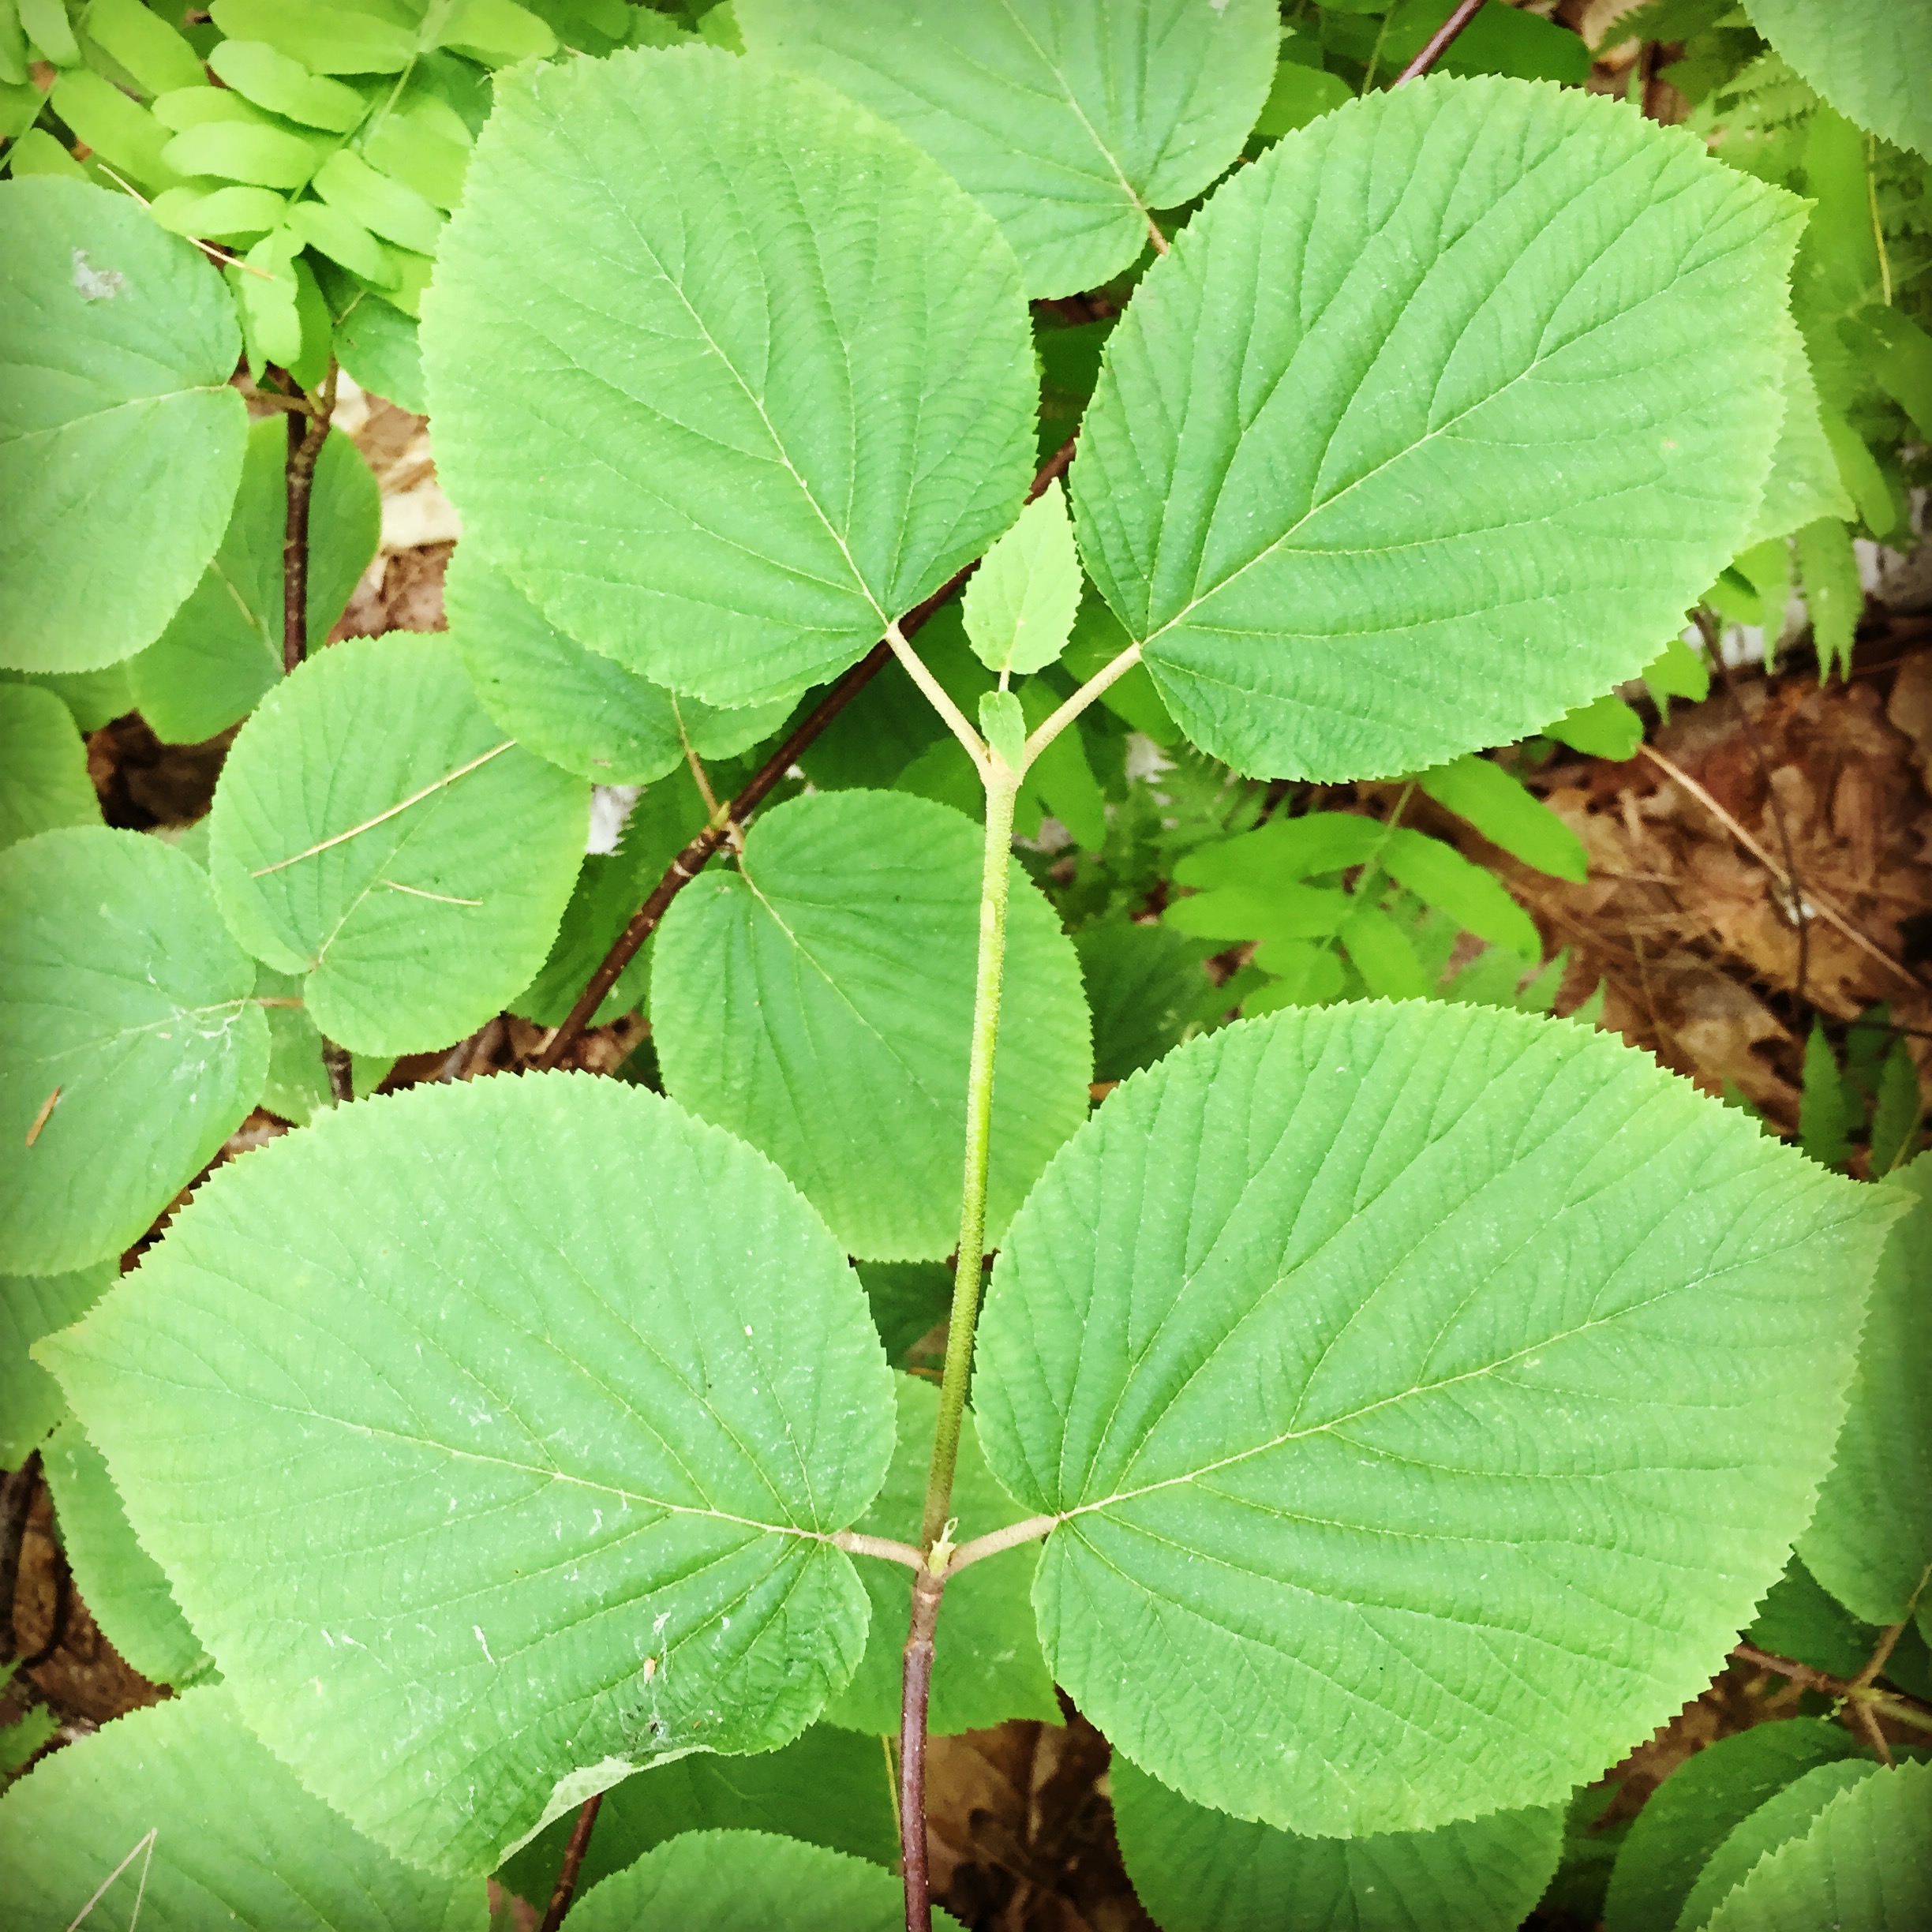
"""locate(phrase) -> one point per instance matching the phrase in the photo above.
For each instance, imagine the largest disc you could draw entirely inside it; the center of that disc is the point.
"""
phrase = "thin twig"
(1886, 1703)
(1438, 43)
(1825, 910)
(692, 860)
(1800, 910)
(915, 1693)
(305, 437)
(573, 1863)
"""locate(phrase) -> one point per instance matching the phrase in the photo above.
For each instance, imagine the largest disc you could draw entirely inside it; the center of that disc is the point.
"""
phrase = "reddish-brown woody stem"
(307, 431)
(565, 1888)
(1438, 43)
(915, 1694)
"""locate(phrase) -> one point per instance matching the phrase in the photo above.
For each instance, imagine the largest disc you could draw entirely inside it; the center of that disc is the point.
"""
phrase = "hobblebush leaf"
(745, 1881)
(1787, 1814)
(909, 1301)
(223, 649)
(235, 1839)
(32, 1306)
(121, 993)
(96, 697)
(1870, 1542)
(1020, 605)
(1070, 123)
(121, 1584)
(828, 1788)
(727, 466)
(477, 1512)
(1197, 1871)
(1868, 58)
(1800, 1619)
(118, 433)
(988, 1667)
(372, 859)
(1433, 422)
(575, 707)
(1860, 1868)
(1698, 1807)
(818, 1000)
(1358, 1351)
(43, 767)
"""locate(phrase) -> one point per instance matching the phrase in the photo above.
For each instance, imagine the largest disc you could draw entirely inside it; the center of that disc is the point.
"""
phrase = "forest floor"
(1767, 857)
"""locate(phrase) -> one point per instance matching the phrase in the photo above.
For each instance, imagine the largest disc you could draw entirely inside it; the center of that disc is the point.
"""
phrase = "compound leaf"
(828, 1788)
(1506, 812)
(513, 1502)
(1358, 1351)
(1861, 55)
(119, 434)
(1435, 419)
(222, 650)
(1860, 1868)
(1472, 895)
(989, 1667)
(745, 1881)
(123, 1587)
(1070, 120)
(43, 767)
(373, 859)
(128, 1036)
(32, 1306)
(727, 464)
(183, 1820)
(1198, 1871)
(1870, 1542)
(818, 1000)
(575, 707)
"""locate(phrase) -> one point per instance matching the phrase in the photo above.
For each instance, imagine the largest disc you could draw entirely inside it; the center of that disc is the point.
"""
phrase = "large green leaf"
(1868, 58)
(1197, 1871)
(724, 373)
(1803, 482)
(205, 1828)
(830, 1787)
(1357, 1352)
(1861, 1868)
(576, 707)
(1070, 120)
(31, 1306)
(1432, 424)
(818, 1000)
(43, 766)
(120, 439)
(358, 836)
(1789, 1814)
(126, 1017)
(745, 1881)
(1870, 1543)
(223, 647)
(479, 1508)
(1697, 1808)
(121, 1584)
(987, 1667)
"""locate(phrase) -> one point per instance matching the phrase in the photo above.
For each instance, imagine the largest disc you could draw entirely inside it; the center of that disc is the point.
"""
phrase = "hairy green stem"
(1002, 788)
